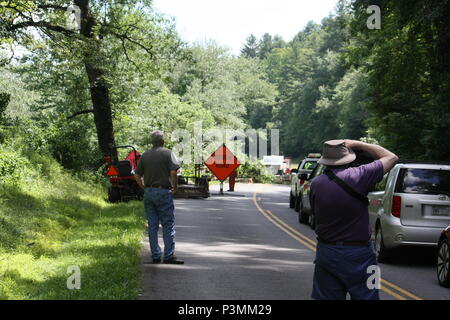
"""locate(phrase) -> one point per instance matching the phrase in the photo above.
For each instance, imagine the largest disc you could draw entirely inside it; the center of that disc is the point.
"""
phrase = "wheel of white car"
(443, 263)
(297, 203)
(302, 216)
(381, 251)
(291, 200)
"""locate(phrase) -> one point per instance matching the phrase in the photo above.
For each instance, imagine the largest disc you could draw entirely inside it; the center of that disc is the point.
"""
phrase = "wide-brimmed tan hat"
(336, 153)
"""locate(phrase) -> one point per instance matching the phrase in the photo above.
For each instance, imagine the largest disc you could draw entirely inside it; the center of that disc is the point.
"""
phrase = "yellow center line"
(392, 293)
(296, 234)
(406, 293)
(269, 217)
(292, 229)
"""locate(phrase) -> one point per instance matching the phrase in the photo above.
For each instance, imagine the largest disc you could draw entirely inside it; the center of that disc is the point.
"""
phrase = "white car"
(299, 176)
(412, 209)
(443, 259)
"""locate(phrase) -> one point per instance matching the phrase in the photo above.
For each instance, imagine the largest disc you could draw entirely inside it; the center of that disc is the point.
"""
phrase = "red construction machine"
(120, 173)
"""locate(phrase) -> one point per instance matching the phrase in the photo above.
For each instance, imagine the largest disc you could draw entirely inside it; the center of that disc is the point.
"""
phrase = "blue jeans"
(159, 207)
(343, 269)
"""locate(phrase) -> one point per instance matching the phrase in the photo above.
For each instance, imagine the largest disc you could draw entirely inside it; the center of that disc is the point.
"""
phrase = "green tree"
(408, 63)
(107, 30)
(265, 46)
(4, 101)
(278, 42)
(306, 72)
(250, 49)
(235, 90)
(351, 100)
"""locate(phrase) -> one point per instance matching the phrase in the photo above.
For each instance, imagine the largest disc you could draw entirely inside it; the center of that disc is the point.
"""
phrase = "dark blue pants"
(343, 269)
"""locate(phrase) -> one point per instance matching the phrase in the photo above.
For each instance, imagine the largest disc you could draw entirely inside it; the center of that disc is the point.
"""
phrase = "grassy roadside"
(51, 220)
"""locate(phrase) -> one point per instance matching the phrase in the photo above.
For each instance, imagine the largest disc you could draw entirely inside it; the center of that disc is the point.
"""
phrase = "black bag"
(346, 187)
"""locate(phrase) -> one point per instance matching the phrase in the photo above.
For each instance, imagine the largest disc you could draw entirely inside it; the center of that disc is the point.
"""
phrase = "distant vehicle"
(299, 176)
(274, 164)
(305, 212)
(411, 206)
(443, 259)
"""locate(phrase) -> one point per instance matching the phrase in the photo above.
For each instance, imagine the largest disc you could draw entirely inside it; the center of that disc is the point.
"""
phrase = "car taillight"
(396, 206)
(302, 182)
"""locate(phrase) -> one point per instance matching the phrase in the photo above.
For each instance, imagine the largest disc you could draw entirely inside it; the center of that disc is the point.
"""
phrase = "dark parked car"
(299, 176)
(443, 259)
(305, 213)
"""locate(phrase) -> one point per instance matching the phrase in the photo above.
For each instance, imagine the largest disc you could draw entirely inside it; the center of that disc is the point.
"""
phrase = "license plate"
(440, 211)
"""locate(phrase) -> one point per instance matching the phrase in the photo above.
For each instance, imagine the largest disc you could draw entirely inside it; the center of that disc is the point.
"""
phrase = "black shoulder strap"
(346, 187)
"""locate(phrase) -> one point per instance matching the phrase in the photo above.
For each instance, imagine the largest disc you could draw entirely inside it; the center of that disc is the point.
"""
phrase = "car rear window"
(424, 181)
(318, 170)
(309, 165)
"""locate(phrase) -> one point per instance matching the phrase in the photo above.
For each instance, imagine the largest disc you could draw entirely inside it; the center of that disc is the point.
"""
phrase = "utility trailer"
(196, 186)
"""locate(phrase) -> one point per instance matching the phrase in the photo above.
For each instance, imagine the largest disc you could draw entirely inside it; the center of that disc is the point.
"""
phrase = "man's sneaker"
(155, 261)
(173, 260)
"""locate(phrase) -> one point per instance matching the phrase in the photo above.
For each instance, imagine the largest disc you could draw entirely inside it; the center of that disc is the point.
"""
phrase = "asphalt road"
(250, 246)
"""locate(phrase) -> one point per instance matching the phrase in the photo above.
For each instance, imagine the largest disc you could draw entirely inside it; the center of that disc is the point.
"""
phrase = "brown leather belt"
(345, 243)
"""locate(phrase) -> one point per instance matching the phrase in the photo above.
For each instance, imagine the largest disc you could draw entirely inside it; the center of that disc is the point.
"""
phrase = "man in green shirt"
(158, 168)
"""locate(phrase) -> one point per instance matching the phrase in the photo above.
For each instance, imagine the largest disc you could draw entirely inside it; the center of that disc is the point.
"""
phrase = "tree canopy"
(340, 79)
(74, 93)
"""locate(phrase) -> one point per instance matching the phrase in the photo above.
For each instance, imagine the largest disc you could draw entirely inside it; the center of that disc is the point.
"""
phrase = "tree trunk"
(98, 87)
(102, 110)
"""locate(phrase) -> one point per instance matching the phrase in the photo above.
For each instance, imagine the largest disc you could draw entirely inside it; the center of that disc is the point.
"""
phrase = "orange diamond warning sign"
(222, 163)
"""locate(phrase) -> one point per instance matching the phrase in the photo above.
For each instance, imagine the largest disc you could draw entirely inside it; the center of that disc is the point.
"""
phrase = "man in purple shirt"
(344, 250)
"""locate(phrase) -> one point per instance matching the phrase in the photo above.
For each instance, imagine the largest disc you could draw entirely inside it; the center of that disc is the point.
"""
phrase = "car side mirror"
(294, 171)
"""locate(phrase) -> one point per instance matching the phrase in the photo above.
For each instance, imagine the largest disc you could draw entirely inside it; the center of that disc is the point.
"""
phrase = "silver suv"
(412, 208)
